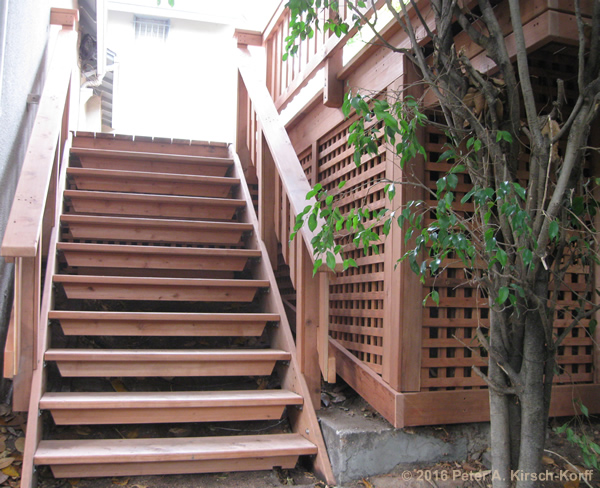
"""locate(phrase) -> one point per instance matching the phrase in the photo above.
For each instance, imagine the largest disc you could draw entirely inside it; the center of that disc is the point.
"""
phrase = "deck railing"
(34, 211)
(263, 143)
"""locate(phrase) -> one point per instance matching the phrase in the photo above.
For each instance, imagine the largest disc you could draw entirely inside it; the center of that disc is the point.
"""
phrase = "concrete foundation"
(359, 447)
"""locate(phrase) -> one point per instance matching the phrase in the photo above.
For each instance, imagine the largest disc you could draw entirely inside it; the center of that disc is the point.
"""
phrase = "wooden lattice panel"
(450, 346)
(357, 295)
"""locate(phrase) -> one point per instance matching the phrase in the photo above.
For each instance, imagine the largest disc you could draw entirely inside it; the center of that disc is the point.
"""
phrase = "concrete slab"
(360, 447)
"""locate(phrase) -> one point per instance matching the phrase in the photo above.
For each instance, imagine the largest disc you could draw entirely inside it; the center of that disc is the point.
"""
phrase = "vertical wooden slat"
(277, 216)
(326, 354)
(266, 202)
(314, 174)
(307, 319)
(292, 255)
(403, 313)
(279, 65)
(333, 89)
(26, 323)
(285, 248)
(595, 169)
(242, 130)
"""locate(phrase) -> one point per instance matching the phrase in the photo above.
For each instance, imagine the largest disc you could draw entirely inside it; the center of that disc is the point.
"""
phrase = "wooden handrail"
(23, 230)
(286, 161)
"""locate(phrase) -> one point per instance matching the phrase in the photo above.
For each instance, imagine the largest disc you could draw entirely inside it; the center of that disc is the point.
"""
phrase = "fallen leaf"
(2, 446)
(132, 434)
(118, 385)
(571, 484)
(367, 483)
(547, 461)
(82, 430)
(179, 431)
(11, 471)
(120, 481)
(18, 420)
(6, 462)
(4, 409)
(74, 481)
(573, 468)
(138, 486)
(20, 444)
(3, 478)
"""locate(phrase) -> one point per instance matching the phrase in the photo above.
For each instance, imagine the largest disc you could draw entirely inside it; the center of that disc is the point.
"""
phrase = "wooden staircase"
(158, 246)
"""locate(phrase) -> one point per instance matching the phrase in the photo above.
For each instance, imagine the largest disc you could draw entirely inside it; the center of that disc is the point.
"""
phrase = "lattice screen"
(356, 296)
(450, 346)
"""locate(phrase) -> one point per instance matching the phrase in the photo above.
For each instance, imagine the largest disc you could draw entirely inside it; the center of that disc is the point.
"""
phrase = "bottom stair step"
(131, 457)
(75, 408)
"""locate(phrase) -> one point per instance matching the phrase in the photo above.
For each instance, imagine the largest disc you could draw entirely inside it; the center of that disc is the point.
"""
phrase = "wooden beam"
(248, 38)
(431, 407)
(333, 89)
(266, 203)
(366, 382)
(66, 17)
(404, 293)
(326, 353)
(9, 349)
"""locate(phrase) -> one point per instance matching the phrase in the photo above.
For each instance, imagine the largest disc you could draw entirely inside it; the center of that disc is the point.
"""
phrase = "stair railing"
(33, 216)
(263, 143)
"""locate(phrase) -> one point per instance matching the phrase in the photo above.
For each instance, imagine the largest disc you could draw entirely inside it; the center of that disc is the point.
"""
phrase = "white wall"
(183, 88)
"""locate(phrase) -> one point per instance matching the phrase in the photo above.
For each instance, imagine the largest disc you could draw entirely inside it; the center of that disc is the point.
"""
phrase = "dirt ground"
(560, 464)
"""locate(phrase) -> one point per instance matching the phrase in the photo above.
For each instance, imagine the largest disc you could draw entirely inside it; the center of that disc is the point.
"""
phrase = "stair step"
(161, 289)
(165, 362)
(162, 324)
(161, 206)
(152, 230)
(167, 407)
(155, 183)
(152, 162)
(155, 257)
(129, 457)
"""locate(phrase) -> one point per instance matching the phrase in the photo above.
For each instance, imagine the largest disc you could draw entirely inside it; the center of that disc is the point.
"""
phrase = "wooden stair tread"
(170, 449)
(165, 355)
(165, 316)
(162, 177)
(154, 198)
(177, 158)
(133, 280)
(134, 221)
(171, 399)
(192, 251)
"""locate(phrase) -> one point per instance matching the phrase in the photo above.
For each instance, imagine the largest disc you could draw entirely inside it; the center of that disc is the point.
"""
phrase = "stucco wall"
(24, 64)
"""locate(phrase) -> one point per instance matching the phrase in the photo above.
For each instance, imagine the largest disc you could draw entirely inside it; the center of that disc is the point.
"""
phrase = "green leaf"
(329, 200)
(342, 184)
(452, 181)
(584, 409)
(504, 135)
(435, 296)
(330, 260)
(502, 295)
(553, 229)
(312, 222)
(527, 257)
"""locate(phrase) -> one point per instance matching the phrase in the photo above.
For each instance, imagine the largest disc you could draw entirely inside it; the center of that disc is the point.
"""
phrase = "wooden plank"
(139, 205)
(179, 449)
(155, 257)
(173, 467)
(23, 227)
(248, 38)
(149, 363)
(161, 289)
(154, 183)
(152, 230)
(431, 408)
(65, 17)
(162, 324)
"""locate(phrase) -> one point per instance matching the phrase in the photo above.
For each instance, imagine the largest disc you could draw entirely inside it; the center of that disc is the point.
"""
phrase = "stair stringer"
(303, 421)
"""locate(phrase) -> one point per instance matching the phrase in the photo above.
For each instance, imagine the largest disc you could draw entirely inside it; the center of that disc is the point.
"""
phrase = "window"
(151, 28)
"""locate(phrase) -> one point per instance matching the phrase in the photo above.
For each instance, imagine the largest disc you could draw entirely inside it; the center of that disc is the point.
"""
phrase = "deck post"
(403, 312)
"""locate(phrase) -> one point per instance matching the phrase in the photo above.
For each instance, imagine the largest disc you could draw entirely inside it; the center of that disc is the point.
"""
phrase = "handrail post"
(266, 202)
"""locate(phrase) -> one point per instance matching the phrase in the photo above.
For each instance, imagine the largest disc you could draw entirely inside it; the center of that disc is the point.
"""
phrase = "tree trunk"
(499, 412)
